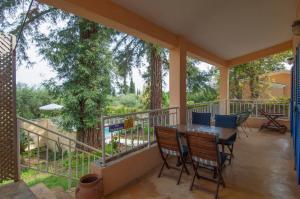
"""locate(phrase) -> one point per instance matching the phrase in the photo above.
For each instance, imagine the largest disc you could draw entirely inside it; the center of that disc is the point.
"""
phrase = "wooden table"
(224, 134)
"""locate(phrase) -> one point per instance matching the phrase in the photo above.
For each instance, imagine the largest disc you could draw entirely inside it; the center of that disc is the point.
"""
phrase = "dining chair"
(169, 145)
(201, 118)
(204, 153)
(241, 121)
(227, 121)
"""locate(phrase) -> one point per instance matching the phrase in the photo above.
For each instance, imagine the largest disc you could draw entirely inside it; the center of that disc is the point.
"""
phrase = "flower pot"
(90, 186)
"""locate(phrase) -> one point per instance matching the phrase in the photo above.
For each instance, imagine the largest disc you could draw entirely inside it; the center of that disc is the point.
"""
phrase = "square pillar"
(177, 80)
(224, 90)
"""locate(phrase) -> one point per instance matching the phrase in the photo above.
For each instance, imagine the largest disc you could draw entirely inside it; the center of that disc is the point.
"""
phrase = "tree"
(29, 100)
(78, 51)
(131, 86)
(131, 52)
(201, 85)
(80, 54)
(252, 72)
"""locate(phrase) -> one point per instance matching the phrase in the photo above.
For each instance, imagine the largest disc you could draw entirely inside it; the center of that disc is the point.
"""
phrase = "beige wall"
(119, 173)
(42, 141)
(257, 122)
(276, 77)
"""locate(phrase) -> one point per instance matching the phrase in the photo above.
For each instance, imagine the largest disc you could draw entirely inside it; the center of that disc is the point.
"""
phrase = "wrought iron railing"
(213, 107)
(238, 106)
(45, 150)
(130, 132)
(254, 106)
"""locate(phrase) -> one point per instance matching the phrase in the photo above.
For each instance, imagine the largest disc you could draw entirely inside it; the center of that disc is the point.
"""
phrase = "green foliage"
(32, 178)
(201, 85)
(123, 104)
(250, 73)
(80, 54)
(29, 100)
(132, 86)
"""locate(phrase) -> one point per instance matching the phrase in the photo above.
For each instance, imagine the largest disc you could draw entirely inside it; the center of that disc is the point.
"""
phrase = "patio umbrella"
(51, 107)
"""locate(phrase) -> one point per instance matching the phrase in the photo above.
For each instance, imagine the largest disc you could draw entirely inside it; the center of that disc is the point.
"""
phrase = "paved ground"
(262, 169)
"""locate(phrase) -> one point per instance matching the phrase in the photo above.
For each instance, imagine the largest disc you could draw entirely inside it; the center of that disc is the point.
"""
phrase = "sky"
(41, 71)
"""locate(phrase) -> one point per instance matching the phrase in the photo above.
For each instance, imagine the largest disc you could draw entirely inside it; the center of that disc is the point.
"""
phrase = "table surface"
(223, 133)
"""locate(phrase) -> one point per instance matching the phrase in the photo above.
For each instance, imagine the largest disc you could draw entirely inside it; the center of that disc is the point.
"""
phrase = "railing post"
(176, 115)
(256, 109)
(70, 166)
(18, 149)
(149, 139)
(103, 141)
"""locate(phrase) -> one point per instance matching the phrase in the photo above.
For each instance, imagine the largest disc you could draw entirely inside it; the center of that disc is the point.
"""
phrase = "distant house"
(276, 84)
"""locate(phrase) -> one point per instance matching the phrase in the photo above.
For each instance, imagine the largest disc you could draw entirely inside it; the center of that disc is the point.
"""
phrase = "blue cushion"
(201, 118)
(226, 121)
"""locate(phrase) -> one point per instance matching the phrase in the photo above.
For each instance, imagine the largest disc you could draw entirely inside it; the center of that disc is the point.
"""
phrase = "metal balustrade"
(51, 152)
(238, 106)
(279, 107)
(139, 134)
(212, 107)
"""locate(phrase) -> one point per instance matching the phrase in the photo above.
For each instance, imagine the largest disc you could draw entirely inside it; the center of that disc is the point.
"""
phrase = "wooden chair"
(169, 145)
(204, 152)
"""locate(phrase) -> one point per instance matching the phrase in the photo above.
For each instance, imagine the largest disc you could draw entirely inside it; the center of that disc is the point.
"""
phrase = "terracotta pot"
(90, 186)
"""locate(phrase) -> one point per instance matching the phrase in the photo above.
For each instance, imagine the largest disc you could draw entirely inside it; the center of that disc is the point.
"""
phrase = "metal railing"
(126, 133)
(213, 107)
(279, 107)
(47, 151)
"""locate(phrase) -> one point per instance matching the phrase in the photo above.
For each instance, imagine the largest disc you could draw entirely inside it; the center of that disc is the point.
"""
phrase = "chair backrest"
(167, 140)
(203, 148)
(201, 118)
(226, 121)
(242, 117)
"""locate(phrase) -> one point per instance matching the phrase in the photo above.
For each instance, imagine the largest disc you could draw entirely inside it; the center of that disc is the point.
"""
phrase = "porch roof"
(220, 32)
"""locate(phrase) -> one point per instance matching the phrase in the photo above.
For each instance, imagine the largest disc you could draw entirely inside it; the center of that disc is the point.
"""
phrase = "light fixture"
(296, 27)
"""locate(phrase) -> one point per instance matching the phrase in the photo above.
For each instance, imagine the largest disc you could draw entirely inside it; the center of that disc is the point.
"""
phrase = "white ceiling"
(227, 28)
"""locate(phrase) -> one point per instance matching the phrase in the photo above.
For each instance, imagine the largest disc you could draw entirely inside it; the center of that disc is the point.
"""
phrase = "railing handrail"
(137, 113)
(59, 134)
(260, 100)
(72, 147)
(204, 103)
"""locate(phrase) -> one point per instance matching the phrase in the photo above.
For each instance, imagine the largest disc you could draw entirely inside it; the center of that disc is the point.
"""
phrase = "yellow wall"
(276, 77)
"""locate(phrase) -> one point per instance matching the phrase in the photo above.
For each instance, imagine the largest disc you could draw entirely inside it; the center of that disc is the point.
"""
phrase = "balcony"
(263, 167)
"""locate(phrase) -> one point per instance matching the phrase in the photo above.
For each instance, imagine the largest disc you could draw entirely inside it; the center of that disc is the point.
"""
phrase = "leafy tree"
(132, 52)
(132, 86)
(251, 73)
(78, 50)
(201, 85)
(80, 54)
(29, 100)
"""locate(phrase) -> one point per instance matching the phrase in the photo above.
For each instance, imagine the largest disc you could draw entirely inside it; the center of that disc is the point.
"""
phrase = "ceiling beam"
(204, 55)
(261, 53)
(115, 16)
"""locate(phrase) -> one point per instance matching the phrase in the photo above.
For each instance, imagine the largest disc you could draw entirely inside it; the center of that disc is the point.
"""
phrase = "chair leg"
(178, 181)
(195, 174)
(164, 164)
(161, 169)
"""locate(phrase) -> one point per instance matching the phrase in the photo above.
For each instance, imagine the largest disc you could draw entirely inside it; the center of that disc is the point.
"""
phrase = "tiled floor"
(262, 168)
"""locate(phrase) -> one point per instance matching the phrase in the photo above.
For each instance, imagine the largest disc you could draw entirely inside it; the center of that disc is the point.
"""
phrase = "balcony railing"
(47, 151)
(278, 107)
(238, 106)
(126, 133)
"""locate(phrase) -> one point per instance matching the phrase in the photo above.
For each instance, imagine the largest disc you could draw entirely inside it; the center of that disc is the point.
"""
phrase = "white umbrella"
(51, 107)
